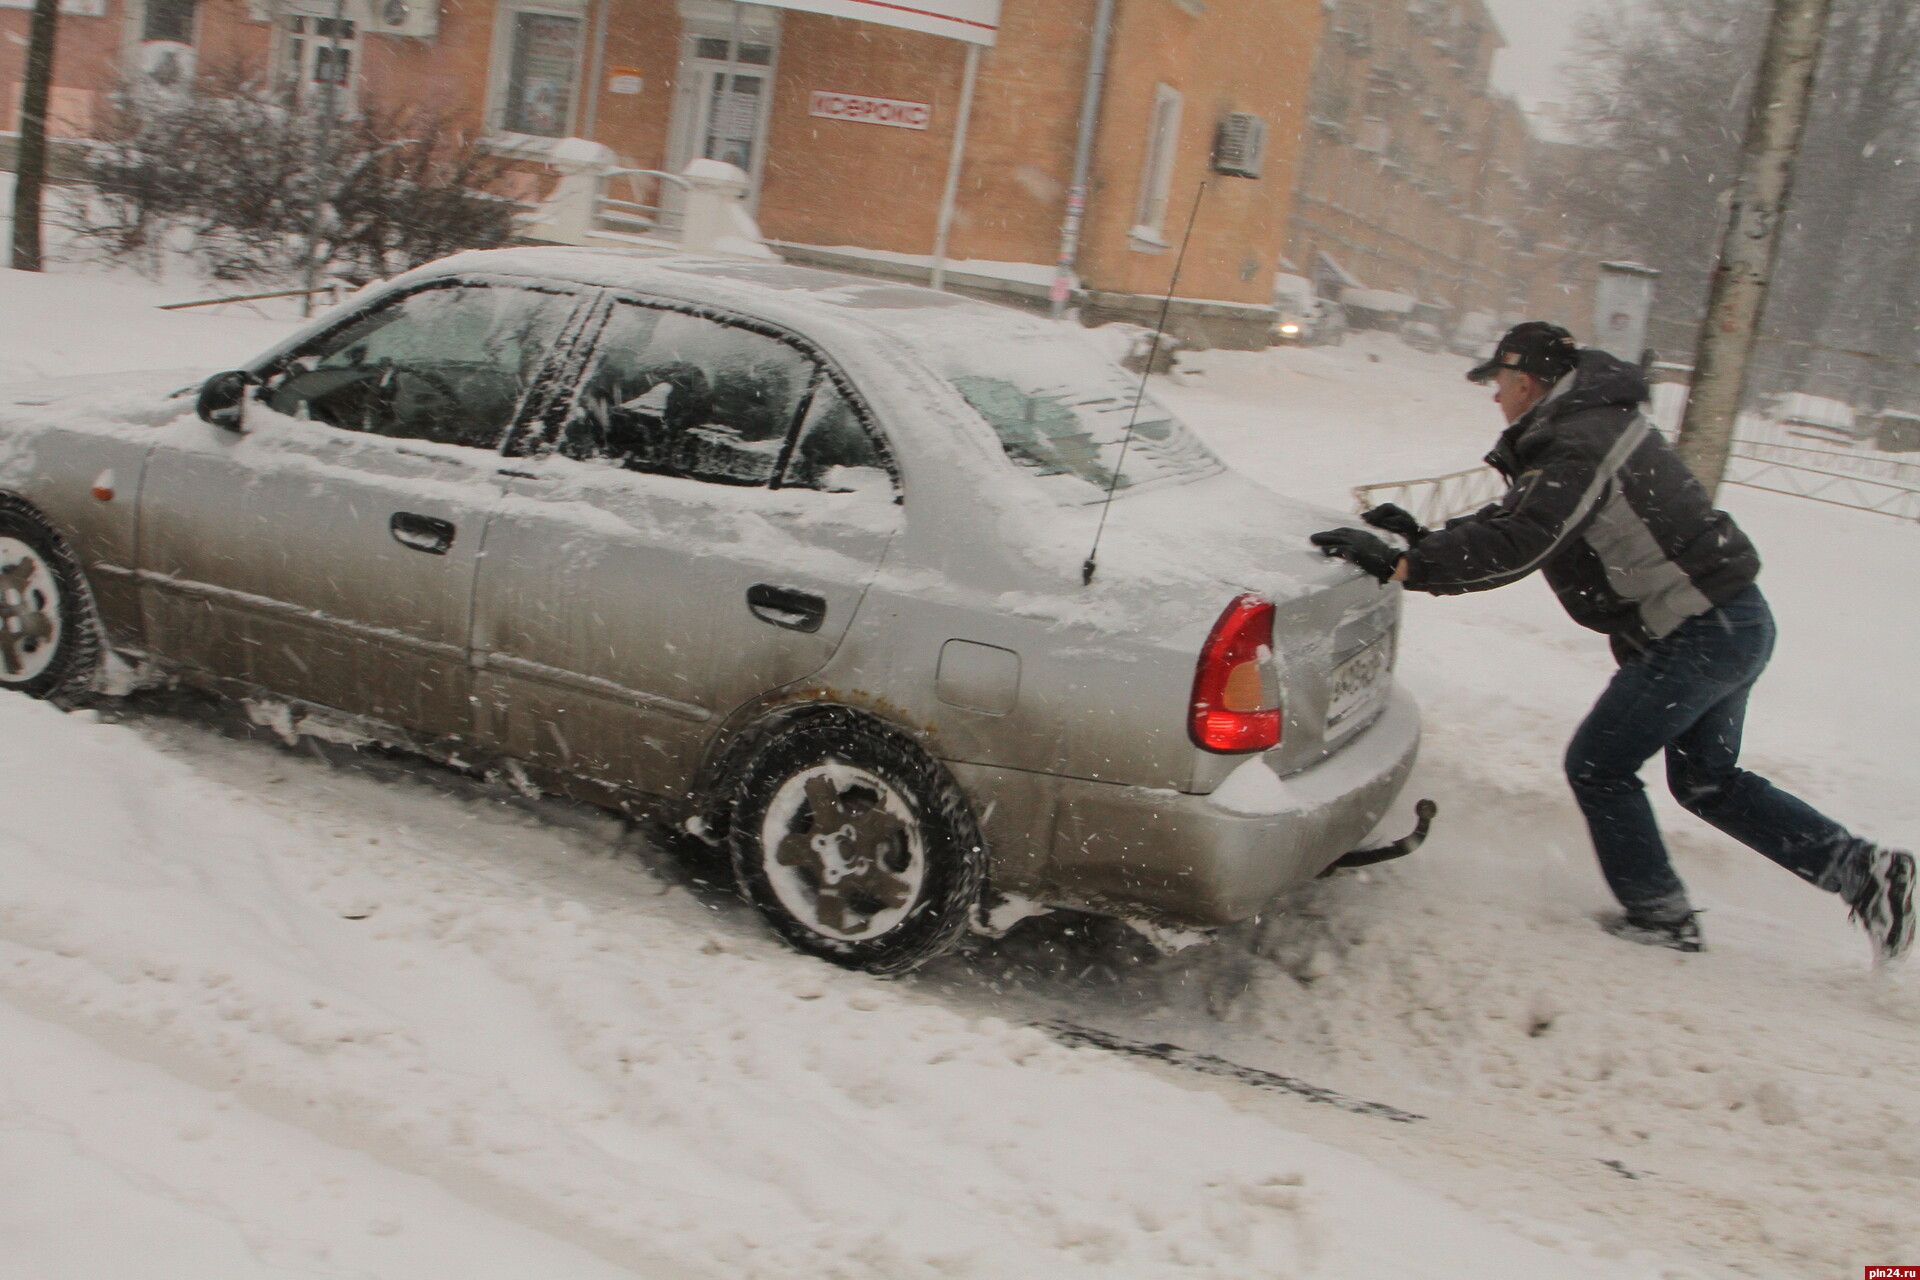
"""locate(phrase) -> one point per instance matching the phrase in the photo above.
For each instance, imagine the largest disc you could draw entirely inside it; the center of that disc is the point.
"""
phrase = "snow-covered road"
(266, 1015)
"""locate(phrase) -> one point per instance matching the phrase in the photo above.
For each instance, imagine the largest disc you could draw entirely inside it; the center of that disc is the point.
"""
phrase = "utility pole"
(1782, 95)
(30, 158)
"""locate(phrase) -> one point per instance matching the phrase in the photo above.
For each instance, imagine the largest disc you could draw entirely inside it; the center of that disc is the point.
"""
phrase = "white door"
(722, 116)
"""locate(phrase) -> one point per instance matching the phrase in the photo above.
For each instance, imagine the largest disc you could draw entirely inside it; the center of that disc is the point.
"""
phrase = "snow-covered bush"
(256, 188)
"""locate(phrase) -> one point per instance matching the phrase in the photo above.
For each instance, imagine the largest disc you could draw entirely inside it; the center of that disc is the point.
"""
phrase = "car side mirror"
(223, 398)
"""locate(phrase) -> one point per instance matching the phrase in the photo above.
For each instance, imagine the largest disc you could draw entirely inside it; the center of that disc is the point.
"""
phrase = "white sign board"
(1622, 297)
(863, 110)
(977, 21)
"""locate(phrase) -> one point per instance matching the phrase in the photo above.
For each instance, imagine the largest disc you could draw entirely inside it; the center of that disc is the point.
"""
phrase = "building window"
(1466, 48)
(543, 65)
(714, 49)
(319, 59)
(1156, 173)
(1353, 26)
(1374, 136)
(169, 20)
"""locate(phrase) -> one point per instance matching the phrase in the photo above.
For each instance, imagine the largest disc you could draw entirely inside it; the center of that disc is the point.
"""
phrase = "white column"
(952, 192)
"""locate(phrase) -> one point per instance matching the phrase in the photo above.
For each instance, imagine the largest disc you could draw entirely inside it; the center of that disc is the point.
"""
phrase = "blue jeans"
(1687, 695)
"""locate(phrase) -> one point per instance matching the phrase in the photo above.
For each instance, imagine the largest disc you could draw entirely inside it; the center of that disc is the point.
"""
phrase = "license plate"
(1360, 682)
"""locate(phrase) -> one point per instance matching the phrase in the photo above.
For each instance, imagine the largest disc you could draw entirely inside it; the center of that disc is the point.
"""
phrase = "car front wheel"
(855, 845)
(49, 643)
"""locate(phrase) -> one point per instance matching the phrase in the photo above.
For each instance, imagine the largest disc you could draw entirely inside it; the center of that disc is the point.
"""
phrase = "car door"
(696, 530)
(326, 551)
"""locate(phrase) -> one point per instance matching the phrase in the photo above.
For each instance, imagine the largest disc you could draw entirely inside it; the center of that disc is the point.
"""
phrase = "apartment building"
(1419, 190)
(846, 125)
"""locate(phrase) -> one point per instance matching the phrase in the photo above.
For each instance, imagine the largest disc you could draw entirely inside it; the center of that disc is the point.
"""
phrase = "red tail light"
(1232, 710)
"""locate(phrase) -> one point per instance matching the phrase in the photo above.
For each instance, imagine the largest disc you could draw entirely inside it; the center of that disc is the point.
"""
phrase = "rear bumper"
(1202, 860)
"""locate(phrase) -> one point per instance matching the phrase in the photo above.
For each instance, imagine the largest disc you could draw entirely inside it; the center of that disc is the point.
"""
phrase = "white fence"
(1436, 498)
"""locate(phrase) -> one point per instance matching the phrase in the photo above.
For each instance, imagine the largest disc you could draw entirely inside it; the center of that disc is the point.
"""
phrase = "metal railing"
(1435, 498)
(646, 210)
(1871, 465)
(334, 289)
(1887, 497)
(1862, 482)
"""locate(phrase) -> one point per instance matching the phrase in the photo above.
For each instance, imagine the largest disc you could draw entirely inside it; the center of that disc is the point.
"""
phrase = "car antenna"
(1139, 396)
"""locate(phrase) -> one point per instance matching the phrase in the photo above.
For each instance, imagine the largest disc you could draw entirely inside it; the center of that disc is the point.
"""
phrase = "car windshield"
(1061, 410)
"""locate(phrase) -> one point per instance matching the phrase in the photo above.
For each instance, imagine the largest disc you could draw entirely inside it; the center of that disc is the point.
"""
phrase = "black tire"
(49, 637)
(904, 844)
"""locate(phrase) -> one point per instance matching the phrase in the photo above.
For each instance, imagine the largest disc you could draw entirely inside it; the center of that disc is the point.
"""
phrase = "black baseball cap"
(1544, 350)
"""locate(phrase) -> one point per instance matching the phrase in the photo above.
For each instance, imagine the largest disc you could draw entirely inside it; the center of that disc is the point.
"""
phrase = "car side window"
(448, 364)
(835, 451)
(684, 395)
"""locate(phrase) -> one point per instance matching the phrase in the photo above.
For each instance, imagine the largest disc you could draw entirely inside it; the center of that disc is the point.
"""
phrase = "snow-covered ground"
(264, 1014)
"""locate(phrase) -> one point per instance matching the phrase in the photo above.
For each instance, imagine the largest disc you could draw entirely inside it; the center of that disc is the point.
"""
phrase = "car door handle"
(785, 607)
(421, 533)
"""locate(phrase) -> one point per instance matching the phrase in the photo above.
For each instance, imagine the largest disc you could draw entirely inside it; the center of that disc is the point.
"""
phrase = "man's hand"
(1396, 519)
(1360, 548)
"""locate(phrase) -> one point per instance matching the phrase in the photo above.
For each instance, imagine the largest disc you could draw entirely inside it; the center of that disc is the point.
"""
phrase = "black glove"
(1358, 547)
(1396, 519)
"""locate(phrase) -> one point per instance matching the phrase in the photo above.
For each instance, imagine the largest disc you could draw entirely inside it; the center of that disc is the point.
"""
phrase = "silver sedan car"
(795, 561)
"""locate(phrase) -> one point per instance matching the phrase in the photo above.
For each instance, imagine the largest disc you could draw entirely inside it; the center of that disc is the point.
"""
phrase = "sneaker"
(1682, 934)
(1884, 902)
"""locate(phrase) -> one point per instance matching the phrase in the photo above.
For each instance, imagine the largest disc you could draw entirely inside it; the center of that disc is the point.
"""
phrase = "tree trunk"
(1752, 243)
(30, 160)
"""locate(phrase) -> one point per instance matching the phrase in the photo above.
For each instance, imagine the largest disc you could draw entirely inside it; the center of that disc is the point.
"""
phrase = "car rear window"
(1061, 409)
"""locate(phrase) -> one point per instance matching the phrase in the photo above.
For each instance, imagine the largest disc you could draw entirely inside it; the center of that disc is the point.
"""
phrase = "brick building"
(846, 127)
(1417, 189)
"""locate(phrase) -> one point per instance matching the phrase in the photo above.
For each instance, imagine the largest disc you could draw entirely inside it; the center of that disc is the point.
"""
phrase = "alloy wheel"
(844, 851)
(30, 612)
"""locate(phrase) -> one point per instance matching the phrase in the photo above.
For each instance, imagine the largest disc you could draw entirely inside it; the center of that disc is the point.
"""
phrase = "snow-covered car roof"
(802, 297)
(1056, 400)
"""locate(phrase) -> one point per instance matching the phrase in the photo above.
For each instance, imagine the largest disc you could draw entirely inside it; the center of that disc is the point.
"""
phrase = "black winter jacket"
(1627, 536)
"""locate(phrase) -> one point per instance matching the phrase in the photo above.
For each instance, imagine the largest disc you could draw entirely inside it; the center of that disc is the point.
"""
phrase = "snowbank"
(562, 1043)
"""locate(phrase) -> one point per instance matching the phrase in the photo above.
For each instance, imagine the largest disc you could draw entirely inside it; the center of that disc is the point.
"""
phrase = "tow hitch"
(1423, 821)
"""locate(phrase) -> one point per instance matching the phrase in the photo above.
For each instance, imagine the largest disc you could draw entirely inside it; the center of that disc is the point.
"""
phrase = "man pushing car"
(1632, 546)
